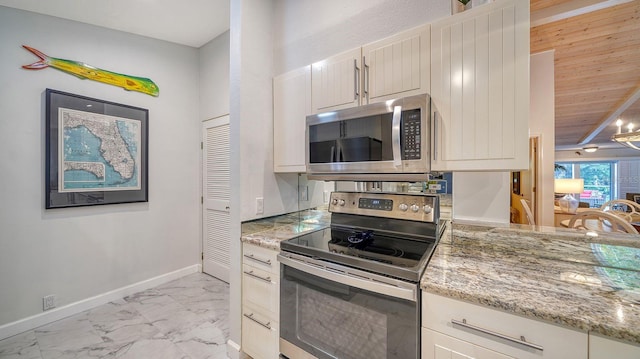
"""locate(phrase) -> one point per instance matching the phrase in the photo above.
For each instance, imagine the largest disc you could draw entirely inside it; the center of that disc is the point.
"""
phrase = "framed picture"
(635, 197)
(96, 151)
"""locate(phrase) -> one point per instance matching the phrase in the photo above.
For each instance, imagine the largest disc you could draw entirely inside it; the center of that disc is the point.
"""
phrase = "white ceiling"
(188, 22)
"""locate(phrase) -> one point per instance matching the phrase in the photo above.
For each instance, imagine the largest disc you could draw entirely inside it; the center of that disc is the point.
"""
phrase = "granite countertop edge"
(544, 304)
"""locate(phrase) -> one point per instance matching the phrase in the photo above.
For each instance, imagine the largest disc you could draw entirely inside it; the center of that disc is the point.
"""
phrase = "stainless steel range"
(351, 291)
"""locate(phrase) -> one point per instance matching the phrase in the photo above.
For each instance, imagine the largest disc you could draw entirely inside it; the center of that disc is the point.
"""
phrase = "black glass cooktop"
(371, 250)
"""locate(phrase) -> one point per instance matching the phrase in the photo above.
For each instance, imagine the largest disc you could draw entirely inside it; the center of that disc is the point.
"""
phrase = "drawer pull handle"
(266, 325)
(250, 273)
(252, 257)
(520, 341)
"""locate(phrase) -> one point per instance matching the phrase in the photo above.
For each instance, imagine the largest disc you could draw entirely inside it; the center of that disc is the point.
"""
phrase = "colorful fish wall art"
(84, 71)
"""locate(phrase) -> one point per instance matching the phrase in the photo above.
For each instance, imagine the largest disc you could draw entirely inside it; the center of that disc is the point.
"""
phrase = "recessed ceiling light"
(590, 148)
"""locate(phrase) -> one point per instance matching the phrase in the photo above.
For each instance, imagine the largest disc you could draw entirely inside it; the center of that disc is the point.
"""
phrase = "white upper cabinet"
(291, 105)
(393, 67)
(480, 88)
(336, 82)
(397, 66)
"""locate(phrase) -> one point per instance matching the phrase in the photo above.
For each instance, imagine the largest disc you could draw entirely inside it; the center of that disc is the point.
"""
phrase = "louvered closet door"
(216, 194)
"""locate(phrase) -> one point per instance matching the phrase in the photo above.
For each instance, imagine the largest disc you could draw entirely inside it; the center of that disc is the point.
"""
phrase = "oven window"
(332, 320)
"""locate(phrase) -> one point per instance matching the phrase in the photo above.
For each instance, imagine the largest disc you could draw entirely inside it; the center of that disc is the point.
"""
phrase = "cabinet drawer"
(439, 346)
(263, 258)
(260, 335)
(483, 326)
(260, 288)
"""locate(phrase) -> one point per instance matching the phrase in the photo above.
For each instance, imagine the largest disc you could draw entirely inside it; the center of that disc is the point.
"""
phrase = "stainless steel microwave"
(386, 141)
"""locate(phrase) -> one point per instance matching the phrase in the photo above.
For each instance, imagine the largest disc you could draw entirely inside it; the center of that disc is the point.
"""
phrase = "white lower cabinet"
(605, 348)
(260, 302)
(259, 335)
(439, 346)
(457, 329)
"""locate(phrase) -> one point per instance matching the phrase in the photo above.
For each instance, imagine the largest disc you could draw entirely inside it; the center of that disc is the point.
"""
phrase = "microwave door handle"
(395, 136)
(333, 154)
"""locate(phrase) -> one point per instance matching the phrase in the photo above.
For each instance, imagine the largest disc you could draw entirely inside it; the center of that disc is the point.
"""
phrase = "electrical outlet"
(259, 205)
(325, 196)
(304, 193)
(48, 302)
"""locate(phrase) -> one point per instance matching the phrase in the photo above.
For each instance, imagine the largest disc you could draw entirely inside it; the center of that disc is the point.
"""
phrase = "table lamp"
(568, 186)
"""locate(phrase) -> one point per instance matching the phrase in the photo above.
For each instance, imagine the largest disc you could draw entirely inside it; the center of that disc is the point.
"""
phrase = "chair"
(527, 211)
(623, 208)
(600, 221)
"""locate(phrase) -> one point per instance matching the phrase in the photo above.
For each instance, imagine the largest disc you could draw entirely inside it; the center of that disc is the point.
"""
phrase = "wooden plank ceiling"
(597, 68)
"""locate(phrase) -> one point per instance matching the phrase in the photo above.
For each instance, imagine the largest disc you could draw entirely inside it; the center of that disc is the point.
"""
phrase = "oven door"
(331, 311)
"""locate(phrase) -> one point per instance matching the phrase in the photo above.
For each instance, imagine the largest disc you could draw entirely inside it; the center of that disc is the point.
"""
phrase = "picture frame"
(96, 151)
(635, 197)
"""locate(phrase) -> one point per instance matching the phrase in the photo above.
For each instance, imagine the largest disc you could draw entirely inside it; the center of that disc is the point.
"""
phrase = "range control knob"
(427, 208)
(334, 202)
(341, 202)
(403, 207)
(415, 208)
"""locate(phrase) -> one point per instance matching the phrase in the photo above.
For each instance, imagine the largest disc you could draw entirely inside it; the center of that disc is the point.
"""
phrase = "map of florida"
(113, 148)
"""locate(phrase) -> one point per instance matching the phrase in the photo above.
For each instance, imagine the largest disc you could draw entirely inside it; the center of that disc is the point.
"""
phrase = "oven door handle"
(352, 280)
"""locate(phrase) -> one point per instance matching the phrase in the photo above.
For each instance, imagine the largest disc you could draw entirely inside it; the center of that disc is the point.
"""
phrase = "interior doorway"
(525, 187)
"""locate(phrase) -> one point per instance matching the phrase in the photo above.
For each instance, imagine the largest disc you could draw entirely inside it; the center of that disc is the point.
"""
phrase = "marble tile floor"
(187, 318)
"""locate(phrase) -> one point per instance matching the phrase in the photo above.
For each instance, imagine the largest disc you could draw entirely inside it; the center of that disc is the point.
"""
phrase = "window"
(600, 179)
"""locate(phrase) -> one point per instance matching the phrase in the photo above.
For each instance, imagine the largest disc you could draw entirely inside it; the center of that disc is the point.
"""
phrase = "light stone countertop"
(269, 232)
(556, 275)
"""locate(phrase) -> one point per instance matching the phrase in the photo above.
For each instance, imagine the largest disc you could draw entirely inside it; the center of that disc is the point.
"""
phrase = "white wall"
(541, 124)
(214, 78)
(481, 196)
(76, 253)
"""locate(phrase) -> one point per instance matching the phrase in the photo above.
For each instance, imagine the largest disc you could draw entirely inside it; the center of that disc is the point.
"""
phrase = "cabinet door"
(260, 289)
(604, 348)
(260, 335)
(439, 346)
(336, 82)
(291, 105)
(480, 88)
(397, 66)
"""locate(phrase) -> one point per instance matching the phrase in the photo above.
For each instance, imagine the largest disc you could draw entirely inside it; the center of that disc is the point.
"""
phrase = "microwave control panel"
(411, 136)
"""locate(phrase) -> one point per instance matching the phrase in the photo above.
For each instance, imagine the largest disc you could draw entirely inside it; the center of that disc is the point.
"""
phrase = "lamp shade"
(569, 185)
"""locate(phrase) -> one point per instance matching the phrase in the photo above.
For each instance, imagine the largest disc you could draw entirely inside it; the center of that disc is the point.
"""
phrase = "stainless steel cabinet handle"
(266, 325)
(435, 135)
(250, 273)
(356, 80)
(365, 90)
(520, 341)
(253, 258)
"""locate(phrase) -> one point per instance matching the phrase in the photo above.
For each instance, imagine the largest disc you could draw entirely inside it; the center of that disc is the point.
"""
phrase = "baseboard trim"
(23, 325)
(233, 350)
